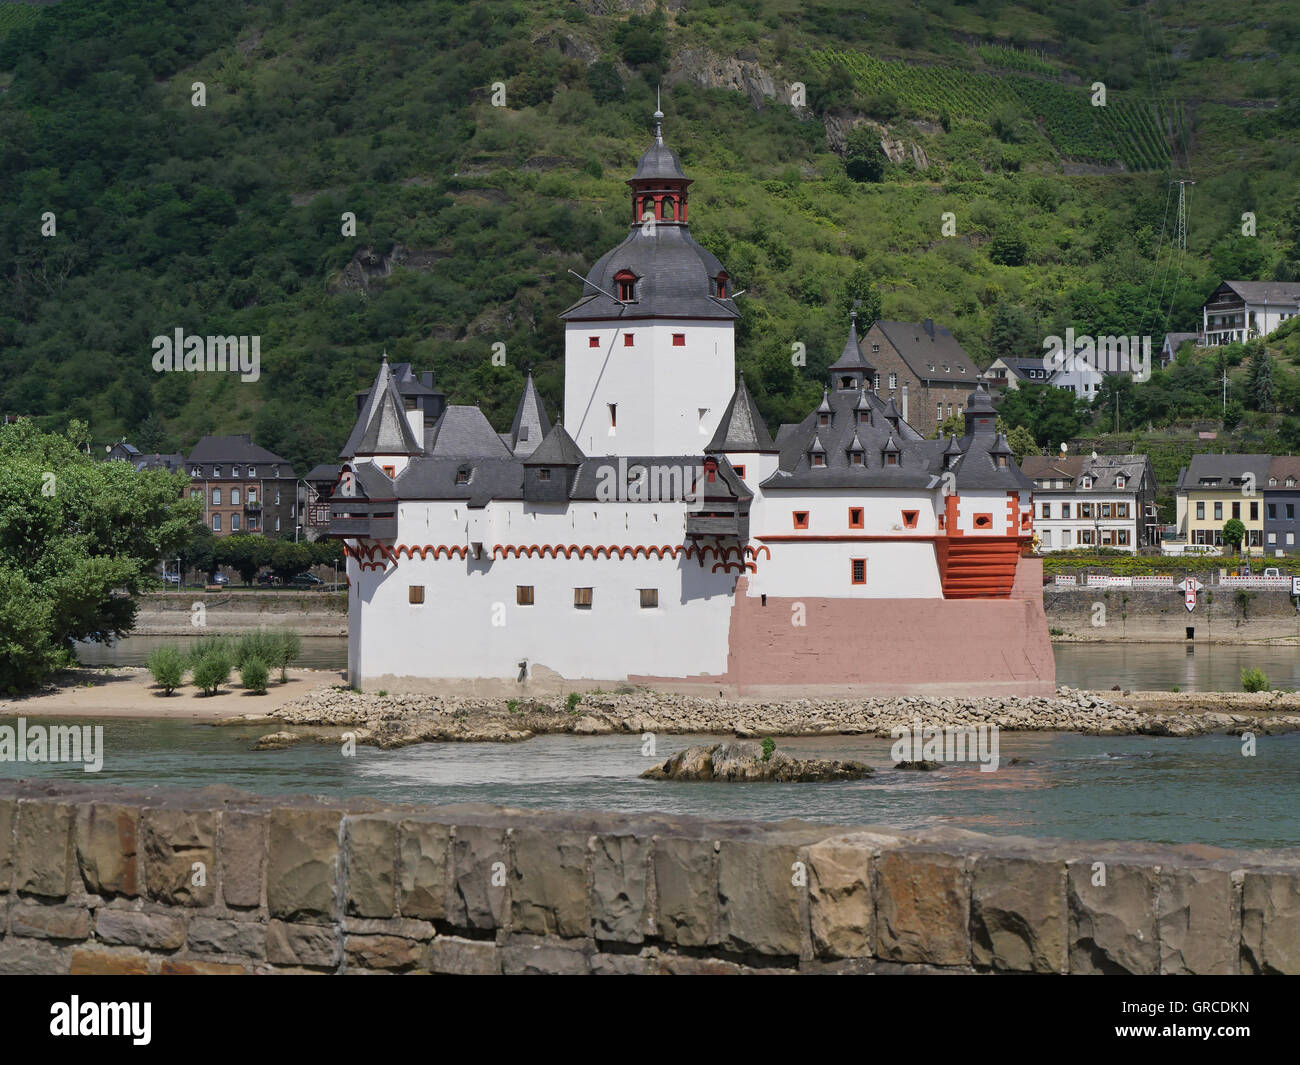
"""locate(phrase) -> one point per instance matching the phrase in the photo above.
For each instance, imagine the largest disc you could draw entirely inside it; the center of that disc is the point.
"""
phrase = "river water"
(1159, 789)
(1160, 666)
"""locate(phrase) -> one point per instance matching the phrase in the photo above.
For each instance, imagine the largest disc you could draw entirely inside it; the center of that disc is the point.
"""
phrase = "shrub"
(573, 701)
(262, 645)
(167, 665)
(1254, 680)
(253, 674)
(206, 646)
(769, 745)
(288, 651)
(211, 671)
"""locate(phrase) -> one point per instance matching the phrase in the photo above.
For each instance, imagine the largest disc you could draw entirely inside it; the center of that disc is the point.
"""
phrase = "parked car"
(268, 579)
(306, 580)
(173, 579)
(1272, 571)
(220, 578)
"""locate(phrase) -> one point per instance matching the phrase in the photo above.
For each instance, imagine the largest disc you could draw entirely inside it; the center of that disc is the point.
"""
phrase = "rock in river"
(732, 761)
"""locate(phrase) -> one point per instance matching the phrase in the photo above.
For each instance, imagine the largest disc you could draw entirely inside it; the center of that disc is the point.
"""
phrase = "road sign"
(1190, 584)
(1295, 585)
(1189, 598)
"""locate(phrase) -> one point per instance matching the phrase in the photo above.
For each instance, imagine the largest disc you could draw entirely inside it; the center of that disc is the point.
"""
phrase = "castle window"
(864, 417)
(983, 521)
(613, 416)
(720, 285)
(875, 347)
(593, 342)
(855, 518)
(819, 460)
(543, 475)
(891, 458)
(855, 458)
(462, 475)
(415, 594)
(649, 598)
(626, 281)
(668, 208)
(627, 340)
(823, 419)
(801, 519)
(523, 595)
(846, 382)
(390, 471)
(582, 598)
(679, 340)
(858, 570)
(909, 519)
(740, 471)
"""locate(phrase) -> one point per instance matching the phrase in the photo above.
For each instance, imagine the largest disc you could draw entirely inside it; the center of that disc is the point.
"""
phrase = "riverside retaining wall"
(95, 879)
(310, 613)
(1147, 615)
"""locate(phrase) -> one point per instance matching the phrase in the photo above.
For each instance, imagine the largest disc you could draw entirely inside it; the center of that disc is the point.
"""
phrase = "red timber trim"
(978, 567)
(950, 512)
(726, 558)
(1013, 513)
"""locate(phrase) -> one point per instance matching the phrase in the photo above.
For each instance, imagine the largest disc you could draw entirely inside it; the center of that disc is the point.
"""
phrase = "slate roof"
(924, 344)
(851, 358)
(158, 461)
(465, 432)
(658, 161)
(429, 477)
(1281, 467)
(1230, 470)
(741, 427)
(1265, 291)
(530, 424)
(382, 427)
(323, 472)
(235, 450)
(558, 449)
(1104, 470)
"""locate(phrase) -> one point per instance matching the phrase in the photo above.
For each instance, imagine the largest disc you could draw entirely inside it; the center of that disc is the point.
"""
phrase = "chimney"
(426, 378)
(928, 326)
(904, 401)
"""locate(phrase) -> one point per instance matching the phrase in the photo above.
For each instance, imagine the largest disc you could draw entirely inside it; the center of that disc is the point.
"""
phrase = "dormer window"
(626, 281)
(818, 459)
(1002, 462)
(463, 474)
(1087, 482)
(1120, 482)
(864, 417)
(252, 471)
(216, 471)
(891, 458)
(855, 458)
(1290, 482)
(1272, 482)
(823, 419)
(720, 285)
(543, 474)
(234, 471)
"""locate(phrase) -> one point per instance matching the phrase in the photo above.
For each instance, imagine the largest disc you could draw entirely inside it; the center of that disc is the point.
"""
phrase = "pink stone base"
(886, 646)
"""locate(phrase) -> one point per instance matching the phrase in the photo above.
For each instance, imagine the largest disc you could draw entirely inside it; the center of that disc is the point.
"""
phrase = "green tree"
(864, 159)
(79, 540)
(1012, 333)
(288, 559)
(603, 82)
(1259, 381)
(245, 553)
(1022, 443)
(1233, 533)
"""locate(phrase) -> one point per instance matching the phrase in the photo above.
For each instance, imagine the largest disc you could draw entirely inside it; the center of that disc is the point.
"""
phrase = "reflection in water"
(1074, 787)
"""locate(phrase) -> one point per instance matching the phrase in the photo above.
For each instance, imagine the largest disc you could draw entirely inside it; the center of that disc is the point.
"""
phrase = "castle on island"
(660, 534)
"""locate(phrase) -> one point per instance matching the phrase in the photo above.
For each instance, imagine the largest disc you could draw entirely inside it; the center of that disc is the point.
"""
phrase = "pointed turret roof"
(1000, 446)
(531, 425)
(816, 446)
(863, 403)
(851, 358)
(741, 427)
(382, 427)
(953, 448)
(659, 161)
(825, 407)
(856, 443)
(891, 409)
(892, 445)
(558, 449)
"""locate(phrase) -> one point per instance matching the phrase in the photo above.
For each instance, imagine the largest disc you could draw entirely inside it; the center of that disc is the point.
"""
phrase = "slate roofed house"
(1080, 501)
(922, 366)
(245, 488)
(1238, 311)
(1282, 505)
(1011, 371)
(1213, 489)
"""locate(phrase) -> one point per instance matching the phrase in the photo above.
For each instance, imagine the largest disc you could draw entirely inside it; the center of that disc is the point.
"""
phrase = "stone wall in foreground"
(101, 880)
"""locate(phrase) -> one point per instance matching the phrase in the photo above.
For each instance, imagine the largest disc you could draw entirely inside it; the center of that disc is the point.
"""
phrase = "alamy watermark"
(1108, 354)
(929, 743)
(53, 743)
(193, 354)
(619, 483)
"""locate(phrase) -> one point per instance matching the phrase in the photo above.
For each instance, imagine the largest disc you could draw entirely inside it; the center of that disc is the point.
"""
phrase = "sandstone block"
(211, 935)
(463, 957)
(546, 955)
(841, 909)
(179, 856)
(176, 967)
(1018, 914)
(315, 946)
(242, 853)
(922, 908)
(108, 963)
(620, 904)
(155, 931)
(422, 882)
(43, 861)
(382, 952)
(480, 866)
(1270, 932)
(685, 890)
(1198, 919)
(548, 895)
(49, 922)
(758, 900)
(372, 866)
(302, 862)
(1112, 924)
(107, 849)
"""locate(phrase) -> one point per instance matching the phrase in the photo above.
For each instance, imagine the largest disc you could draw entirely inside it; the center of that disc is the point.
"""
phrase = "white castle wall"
(660, 390)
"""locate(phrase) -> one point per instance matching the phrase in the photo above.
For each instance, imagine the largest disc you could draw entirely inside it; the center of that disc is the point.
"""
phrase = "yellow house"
(1214, 489)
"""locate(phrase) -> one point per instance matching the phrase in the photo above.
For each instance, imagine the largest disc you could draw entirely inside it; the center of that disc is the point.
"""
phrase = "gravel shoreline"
(324, 713)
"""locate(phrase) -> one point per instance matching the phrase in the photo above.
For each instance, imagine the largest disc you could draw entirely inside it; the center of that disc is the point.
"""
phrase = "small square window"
(415, 594)
(740, 471)
(582, 598)
(462, 476)
(819, 460)
(523, 595)
(855, 518)
(389, 471)
(679, 340)
(801, 519)
(627, 340)
(909, 518)
(593, 342)
(649, 598)
(984, 521)
(858, 570)
(543, 475)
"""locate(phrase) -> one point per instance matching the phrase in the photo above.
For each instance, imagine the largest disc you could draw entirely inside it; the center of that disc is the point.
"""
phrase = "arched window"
(668, 209)
(626, 281)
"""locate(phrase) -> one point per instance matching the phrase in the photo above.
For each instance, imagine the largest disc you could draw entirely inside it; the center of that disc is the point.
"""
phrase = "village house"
(1082, 501)
(1238, 311)
(922, 368)
(244, 487)
(1214, 489)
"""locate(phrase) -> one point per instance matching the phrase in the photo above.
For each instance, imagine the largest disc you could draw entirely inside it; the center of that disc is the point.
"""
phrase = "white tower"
(649, 349)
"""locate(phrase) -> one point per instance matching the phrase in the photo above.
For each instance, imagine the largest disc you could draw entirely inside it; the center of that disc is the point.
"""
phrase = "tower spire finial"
(659, 119)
